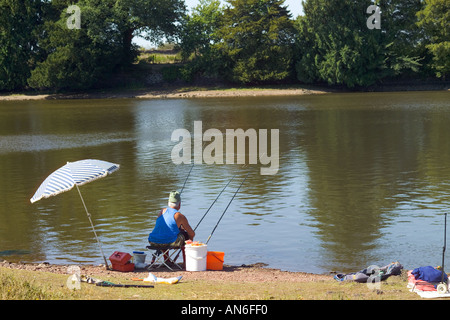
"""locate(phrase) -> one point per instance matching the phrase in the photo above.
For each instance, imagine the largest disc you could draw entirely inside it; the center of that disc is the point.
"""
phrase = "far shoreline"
(176, 93)
(212, 92)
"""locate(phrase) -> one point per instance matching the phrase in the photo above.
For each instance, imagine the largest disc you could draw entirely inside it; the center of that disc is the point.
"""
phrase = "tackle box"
(121, 261)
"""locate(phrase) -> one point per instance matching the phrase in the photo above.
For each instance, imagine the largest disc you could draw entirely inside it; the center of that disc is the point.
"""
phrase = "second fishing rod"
(184, 184)
(212, 204)
(215, 200)
(228, 205)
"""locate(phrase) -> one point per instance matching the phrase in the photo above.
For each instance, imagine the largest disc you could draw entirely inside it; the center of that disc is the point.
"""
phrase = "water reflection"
(363, 178)
(361, 161)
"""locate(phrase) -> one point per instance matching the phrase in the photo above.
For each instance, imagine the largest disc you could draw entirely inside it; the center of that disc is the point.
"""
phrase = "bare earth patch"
(165, 94)
(244, 273)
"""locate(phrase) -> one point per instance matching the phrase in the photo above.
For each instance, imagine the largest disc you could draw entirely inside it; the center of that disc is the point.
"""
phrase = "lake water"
(363, 179)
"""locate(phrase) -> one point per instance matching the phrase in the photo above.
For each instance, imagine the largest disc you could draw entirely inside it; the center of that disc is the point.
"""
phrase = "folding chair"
(161, 256)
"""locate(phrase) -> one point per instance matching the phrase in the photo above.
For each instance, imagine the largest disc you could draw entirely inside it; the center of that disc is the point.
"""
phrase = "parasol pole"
(92, 225)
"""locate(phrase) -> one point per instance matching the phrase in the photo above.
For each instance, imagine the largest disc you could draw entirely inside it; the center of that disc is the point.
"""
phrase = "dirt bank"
(173, 93)
(244, 273)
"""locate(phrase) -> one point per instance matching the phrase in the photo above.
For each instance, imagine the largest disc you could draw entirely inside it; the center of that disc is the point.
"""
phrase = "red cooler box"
(121, 261)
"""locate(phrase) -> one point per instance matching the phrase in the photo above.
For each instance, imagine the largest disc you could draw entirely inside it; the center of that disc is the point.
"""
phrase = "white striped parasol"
(75, 174)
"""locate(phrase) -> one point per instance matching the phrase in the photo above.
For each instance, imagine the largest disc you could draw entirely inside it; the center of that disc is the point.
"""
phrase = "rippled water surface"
(363, 179)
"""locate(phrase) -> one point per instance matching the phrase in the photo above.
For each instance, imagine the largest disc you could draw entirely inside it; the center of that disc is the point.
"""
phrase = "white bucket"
(196, 257)
(139, 259)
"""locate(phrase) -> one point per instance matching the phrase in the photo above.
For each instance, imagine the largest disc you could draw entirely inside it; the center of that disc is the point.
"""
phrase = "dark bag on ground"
(392, 269)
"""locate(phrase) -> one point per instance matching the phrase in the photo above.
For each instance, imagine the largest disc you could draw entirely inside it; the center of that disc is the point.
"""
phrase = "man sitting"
(172, 228)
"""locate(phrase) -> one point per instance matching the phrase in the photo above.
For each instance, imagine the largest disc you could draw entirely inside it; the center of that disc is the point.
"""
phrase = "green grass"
(25, 286)
(29, 285)
(148, 57)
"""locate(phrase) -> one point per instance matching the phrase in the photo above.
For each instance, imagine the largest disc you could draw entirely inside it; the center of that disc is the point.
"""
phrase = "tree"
(19, 21)
(198, 35)
(305, 52)
(336, 46)
(256, 39)
(340, 48)
(154, 19)
(401, 36)
(434, 20)
(198, 31)
(80, 58)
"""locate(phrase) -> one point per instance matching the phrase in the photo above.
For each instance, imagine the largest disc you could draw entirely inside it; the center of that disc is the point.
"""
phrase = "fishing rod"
(184, 184)
(214, 202)
(219, 196)
(182, 188)
(442, 287)
(192, 167)
(234, 195)
(176, 257)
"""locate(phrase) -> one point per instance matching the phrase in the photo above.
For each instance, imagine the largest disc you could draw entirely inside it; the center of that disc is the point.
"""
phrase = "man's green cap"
(174, 196)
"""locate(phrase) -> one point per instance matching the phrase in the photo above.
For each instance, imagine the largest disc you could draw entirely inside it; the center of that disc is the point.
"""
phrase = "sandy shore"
(244, 273)
(205, 92)
(166, 94)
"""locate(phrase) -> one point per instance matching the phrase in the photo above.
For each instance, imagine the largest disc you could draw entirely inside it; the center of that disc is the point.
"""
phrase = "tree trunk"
(128, 54)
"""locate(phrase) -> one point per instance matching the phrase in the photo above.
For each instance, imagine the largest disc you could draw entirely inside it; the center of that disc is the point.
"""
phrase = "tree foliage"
(20, 21)
(434, 21)
(38, 48)
(243, 41)
(198, 35)
(77, 58)
(198, 31)
(257, 37)
(336, 46)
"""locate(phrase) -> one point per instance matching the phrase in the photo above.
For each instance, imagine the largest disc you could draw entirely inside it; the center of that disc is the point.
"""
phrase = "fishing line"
(234, 195)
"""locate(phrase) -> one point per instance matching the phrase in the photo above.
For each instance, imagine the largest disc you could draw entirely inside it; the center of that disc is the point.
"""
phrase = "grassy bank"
(35, 285)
